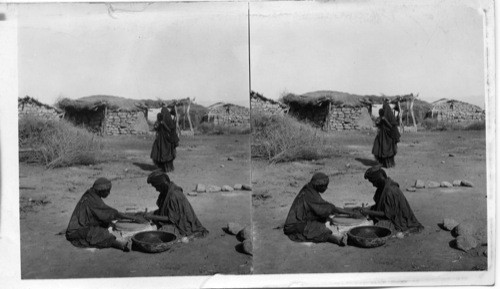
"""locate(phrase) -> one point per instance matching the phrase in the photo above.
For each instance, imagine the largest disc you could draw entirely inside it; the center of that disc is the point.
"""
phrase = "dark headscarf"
(102, 184)
(157, 178)
(167, 118)
(375, 174)
(388, 114)
(319, 179)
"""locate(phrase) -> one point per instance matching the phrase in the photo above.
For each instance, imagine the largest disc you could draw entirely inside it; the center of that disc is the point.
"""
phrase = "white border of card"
(9, 229)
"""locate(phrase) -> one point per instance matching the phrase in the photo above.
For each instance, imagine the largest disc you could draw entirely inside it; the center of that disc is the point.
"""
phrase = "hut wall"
(458, 112)
(348, 118)
(230, 116)
(37, 110)
(126, 123)
(314, 115)
(266, 107)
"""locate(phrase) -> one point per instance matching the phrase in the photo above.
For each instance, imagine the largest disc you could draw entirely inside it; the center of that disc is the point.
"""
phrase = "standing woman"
(385, 145)
(163, 152)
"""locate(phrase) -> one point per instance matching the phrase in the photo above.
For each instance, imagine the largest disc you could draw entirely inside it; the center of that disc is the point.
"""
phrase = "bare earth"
(422, 155)
(202, 159)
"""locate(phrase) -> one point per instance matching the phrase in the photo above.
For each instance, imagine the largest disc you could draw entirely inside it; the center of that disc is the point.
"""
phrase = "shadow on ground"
(367, 162)
(146, 167)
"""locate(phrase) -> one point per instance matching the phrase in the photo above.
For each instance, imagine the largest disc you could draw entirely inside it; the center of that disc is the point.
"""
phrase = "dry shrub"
(435, 125)
(282, 138)
(57, 143)
(215, 129)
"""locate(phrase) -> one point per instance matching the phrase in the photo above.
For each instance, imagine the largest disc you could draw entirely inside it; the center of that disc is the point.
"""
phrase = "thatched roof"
(254, 94)
(224, 104)
(30, 100)
(451, 101)
(115, 103)
(337, 98)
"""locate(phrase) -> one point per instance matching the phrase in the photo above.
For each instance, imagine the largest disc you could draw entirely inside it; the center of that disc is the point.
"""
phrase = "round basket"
(153, 241)
(369, 236)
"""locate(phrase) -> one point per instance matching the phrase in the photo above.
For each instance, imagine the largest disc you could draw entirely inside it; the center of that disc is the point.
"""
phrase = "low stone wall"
(37, 110)
(126, 122)
(348, 118)
(458, 112)
(267, 107)
(230, 116)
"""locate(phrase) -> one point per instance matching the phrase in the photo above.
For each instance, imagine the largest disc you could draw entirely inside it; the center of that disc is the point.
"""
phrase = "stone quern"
(446, 185)
(227, 188)
(457, 183)
(466, 183)
(200, 188)
(464, 229)
(233, 228)
(419, 184)
(432, 185)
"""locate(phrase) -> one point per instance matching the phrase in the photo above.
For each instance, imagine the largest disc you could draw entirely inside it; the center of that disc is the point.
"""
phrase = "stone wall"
(458, 112)
(265, 106)
(231, 115)
(126, 122)
(37, 110)
(348, 118)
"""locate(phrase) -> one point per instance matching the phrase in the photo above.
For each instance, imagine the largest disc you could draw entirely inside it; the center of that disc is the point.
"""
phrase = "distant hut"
(30, 106)
(112, 115)
(259, 103)
(454, 111)
(331, 110)
(228, 114)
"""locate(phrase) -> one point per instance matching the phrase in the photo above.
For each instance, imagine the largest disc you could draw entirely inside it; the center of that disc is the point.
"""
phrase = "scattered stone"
(238, 186)
(185, 240)
(466, 243)
(411, 189)
(465, 229)
(244, 234)
(446, 185)
(419, 184)
(465, 183)
(442, 162)
(213, 189)
(485, 253)
(432, 185)
(449, 224)
(193, 194)
(227, 188)
(221, 166)
(233, 228)
(230, 159)
(400, 235)
(451, 155)
(200, 188)
(457, 183)
(247, 247)
(247, 187)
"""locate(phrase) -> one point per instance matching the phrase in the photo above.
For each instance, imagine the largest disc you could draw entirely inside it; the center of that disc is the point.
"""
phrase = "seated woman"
(173, 204)
(391, 208)
(309, 213)
(89, 223)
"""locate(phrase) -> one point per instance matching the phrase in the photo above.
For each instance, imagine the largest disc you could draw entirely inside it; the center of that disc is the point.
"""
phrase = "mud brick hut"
(454, 111)
(331, 110)
(30, 106)
(227, 114)
(261, 104)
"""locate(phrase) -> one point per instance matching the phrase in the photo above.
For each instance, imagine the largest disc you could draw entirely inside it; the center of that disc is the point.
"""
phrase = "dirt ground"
(48, 198)
(422, 155)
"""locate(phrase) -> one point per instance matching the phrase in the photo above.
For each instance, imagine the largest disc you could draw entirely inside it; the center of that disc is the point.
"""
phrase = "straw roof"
(115, 103)
(30, 100)
(254, 94)
(337, 98)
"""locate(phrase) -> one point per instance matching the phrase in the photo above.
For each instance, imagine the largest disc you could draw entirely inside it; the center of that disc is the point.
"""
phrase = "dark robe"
(88, 226)
(385, 144)
(163, 151)
(307, 216)
(173, 204)
(392, 202)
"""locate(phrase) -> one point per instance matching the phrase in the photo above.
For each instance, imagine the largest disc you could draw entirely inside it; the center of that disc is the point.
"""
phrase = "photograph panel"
(369, 137)
(134, 140)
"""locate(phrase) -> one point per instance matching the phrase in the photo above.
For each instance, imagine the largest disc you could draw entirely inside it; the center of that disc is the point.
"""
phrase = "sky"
(368, 47)
(165, 50)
